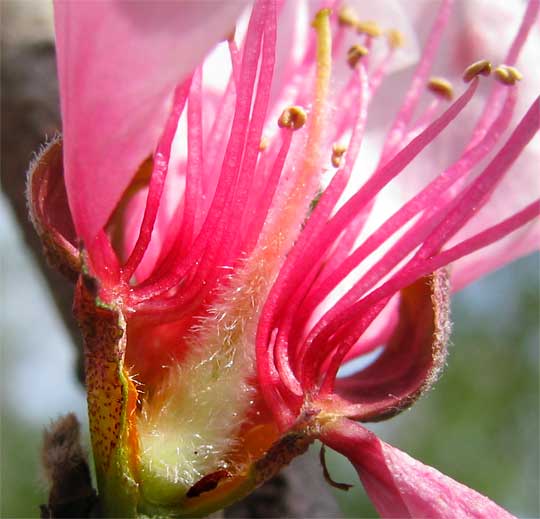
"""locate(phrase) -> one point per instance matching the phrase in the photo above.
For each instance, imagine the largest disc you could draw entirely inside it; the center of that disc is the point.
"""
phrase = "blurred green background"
(480, 424)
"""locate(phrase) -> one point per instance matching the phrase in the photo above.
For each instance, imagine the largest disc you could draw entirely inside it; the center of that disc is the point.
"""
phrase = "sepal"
(410, 363)
(49, 210)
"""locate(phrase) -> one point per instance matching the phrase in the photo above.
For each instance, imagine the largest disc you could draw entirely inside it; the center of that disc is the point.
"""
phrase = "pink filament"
(423, 200)
(418, 83)
(264, 201)
(301, 248)
(213, 227)
(467, 205)
(195, 166)
(497, 93)
(375, 184)
(157, 181)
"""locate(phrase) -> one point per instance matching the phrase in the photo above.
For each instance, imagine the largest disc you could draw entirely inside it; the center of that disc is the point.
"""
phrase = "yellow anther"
(338, 150)
(355, 53)
(441, 87)
(395, 38)
(370, 28)
(482, 67)
(293, 118)
(347, 17)
(507, 75)
(264, 143)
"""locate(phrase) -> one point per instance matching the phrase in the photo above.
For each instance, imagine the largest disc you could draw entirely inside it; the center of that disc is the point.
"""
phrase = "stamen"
(236, 61)
(415, 205)
(414, 271)
(308, 357)
(338, 150)
(293, 118)
(193, 190)
(347, 17)
(157, 182)
(496, 98)
(355, 53)
(265, 201)
(441, 87)
(306, 181)
(303, 188)
(203, 246)
(295, 272)
(264, 143)
(507, 75)
(370, 28)
(222, 245)
(412, 97)
(476, 194)
(478, 67)
(395, 38)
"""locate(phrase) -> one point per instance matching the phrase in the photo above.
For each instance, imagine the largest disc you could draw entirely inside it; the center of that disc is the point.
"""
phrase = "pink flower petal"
(118, 63)
(401, 486)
